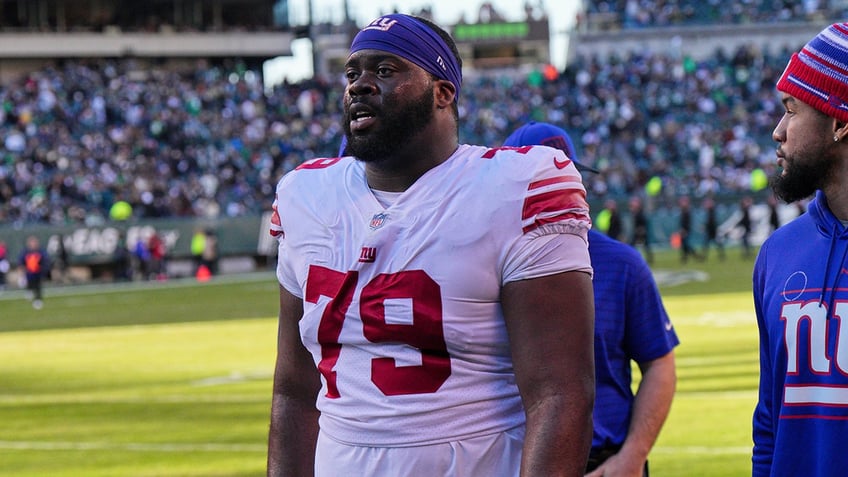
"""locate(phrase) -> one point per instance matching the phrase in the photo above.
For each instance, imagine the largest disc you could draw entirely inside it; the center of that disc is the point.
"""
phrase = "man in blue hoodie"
(800, 286)
(631, 325)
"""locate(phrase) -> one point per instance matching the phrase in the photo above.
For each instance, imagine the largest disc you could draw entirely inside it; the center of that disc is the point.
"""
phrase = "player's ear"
(841, 131)
(445, 93)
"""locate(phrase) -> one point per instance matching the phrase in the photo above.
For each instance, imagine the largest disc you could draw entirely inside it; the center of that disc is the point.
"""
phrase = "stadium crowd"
(77, 138)
(614, 14)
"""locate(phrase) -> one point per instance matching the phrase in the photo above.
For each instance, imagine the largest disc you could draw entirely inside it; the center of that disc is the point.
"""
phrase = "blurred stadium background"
(121, 119)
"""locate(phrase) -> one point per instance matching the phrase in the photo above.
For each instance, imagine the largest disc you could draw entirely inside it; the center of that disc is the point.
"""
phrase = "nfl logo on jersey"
(378, 220)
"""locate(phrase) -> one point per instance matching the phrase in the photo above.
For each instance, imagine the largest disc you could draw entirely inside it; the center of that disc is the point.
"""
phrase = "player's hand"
(619, 466)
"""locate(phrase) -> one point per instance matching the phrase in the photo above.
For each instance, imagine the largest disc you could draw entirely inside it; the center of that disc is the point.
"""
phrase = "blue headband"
(408, 38)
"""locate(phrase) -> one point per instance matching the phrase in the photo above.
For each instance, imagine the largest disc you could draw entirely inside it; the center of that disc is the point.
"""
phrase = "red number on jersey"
(425, 333)
(319, 163)
(491, 152)
(330, 283)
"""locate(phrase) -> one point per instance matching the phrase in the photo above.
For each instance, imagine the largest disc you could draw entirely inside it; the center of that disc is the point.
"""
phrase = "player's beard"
(397, 127)
(806, 172)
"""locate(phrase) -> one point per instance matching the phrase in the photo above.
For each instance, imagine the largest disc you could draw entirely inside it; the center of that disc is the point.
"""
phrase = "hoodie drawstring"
(833, 239)
(827, 265)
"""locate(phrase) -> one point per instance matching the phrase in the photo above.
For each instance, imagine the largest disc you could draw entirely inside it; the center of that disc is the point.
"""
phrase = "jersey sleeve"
(555, 199)
(649, 333)
(285, 272)
(546, 255)
(763, 432)
(555, 219)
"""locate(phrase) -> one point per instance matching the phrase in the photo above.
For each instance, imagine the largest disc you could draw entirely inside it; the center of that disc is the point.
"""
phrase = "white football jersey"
(402, 307)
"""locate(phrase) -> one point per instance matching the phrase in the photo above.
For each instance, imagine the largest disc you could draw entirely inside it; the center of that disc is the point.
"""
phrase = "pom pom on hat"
(818, 74)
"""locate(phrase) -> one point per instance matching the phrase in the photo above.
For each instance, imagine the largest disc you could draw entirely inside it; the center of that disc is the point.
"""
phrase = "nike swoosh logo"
(561, 164)
(668, 326)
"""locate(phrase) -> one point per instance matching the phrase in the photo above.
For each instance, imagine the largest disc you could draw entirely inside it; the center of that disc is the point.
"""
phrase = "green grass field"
(174, 379)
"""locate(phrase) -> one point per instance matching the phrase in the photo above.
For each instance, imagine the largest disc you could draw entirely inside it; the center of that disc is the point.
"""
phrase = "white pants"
(494, 455)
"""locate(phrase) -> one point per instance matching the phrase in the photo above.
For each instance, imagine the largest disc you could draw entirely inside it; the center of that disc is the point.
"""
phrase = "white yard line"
(96, 288)
(131, 446)
(93, 399)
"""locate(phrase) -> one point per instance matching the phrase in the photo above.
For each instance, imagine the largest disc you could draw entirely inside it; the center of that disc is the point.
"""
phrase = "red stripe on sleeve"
(562, 203)
(540, 221)
(553, 201)
(551, 180)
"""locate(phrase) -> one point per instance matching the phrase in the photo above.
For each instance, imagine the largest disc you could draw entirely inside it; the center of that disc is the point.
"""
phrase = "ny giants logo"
(368, 254)
(812, 350)
(382, 24)
(441, 63)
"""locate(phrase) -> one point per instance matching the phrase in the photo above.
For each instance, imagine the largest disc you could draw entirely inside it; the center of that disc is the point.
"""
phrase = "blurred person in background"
(712, 236)
(34, 264)
(774, 213)
(631, 325)
(746, 224)
(209, 256)
(157, 253)
(122, 260)
(198, 246)
(685, 230)
(641, 233)
(140, 260)
(5, 266)
(61, 261)
(609, 220)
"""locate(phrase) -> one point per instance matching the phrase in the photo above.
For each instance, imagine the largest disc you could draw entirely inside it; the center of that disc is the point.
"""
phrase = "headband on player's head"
(407, 37)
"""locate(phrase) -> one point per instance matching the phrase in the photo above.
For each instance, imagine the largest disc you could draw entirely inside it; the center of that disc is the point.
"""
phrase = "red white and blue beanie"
(818, 74)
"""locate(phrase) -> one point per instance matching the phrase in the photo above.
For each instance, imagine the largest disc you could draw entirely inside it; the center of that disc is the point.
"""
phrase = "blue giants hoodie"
(801, 297)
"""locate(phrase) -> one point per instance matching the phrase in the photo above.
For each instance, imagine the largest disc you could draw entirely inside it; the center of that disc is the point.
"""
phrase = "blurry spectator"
(664, 13)
(122, 261)
(641, 233)
(616, 227)
(140, 260)
(713, 238)
(61, 261)
(746, 225)
(209, 257)
(156, 249)
(198, 246)
(213, 142)
(608, 220)
(4, 265)
(685, 230)
(35, 266)
(774, 216)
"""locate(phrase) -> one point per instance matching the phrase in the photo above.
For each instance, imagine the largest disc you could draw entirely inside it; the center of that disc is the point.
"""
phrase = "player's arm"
(650, 410)
(763, 422)
(294, 417)
(550, 321)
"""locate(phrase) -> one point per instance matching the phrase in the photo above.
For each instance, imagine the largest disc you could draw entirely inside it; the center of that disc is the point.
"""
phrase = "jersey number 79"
(425, 333)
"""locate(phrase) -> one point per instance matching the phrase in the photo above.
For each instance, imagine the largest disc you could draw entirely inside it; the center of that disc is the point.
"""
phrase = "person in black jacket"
(685, 231)
(711, 230)
(641, 228)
